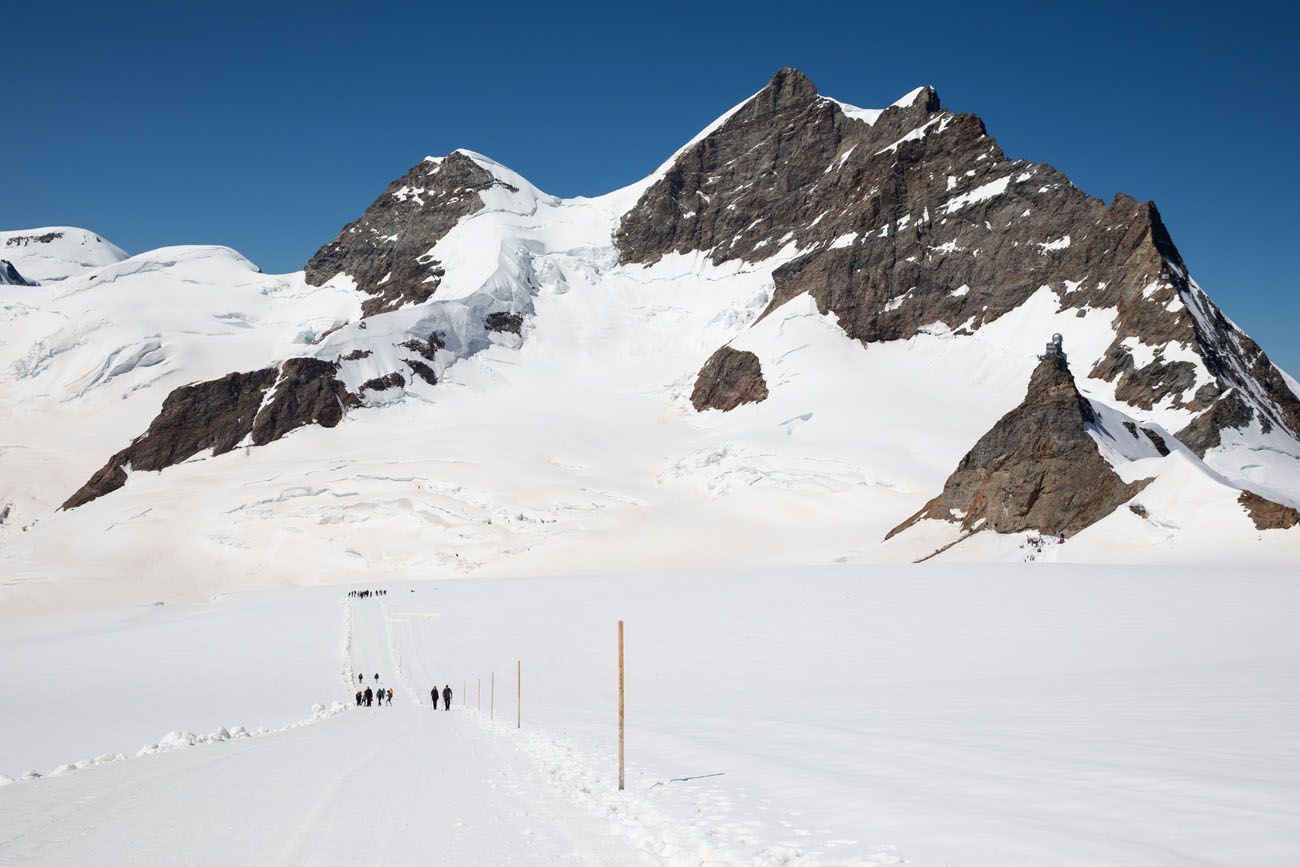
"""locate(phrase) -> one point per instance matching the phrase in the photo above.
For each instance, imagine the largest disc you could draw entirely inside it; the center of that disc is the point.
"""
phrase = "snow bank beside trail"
(109, 681)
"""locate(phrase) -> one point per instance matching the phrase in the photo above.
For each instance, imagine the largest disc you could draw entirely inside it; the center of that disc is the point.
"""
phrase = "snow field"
(941, 715)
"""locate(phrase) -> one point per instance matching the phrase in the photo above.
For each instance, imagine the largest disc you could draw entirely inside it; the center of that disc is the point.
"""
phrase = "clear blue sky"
(266, 126)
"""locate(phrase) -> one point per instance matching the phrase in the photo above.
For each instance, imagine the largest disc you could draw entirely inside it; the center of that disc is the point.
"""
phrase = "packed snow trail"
(399, 785)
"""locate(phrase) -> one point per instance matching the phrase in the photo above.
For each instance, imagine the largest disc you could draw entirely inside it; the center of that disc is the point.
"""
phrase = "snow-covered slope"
(55, 253)
(514, 371)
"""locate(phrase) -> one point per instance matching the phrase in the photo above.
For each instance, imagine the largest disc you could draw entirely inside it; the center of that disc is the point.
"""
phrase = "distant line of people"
(366, 594)
(375, 697)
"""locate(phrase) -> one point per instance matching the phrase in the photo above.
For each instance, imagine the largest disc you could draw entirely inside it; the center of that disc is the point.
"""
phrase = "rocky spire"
(1037, 468)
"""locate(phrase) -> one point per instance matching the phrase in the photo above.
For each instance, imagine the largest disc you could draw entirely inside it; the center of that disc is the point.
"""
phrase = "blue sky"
(267, 126)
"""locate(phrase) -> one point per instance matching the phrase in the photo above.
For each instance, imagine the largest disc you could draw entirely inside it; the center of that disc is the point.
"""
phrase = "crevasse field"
(933, 715)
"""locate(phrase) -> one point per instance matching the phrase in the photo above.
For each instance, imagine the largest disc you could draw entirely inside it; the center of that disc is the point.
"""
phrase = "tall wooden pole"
(519, 693)
(620, 705)
(492, 698)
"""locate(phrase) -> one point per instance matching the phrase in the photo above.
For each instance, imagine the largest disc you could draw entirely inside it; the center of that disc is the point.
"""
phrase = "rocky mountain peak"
(1037, 468)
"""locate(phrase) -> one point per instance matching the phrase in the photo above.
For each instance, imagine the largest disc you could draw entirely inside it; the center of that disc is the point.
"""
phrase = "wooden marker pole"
(519, 693)
(492, 697)
(620, 705)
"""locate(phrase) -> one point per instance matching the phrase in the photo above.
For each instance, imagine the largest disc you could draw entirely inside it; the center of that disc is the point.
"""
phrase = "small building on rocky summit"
(1056, 350)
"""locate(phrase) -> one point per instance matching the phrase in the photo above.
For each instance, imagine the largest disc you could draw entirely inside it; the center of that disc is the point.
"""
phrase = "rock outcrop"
(1036, 469)
(386, 250)
(220, 414)
(1268, 515)
(917, 220)
(729, 378)
(9, 275)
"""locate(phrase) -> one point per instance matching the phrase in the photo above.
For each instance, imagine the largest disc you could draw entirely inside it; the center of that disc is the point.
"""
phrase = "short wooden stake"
(620, 705)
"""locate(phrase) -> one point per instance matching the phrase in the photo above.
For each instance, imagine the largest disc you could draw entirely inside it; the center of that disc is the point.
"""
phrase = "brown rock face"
(1036, 469)
(220, 413)
(385, 250)
(728, 379)
(306, 393)
(214, 415)
(920, 219)
(1267, 514)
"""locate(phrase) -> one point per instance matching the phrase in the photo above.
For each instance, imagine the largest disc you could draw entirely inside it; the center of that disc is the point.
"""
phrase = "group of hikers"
(377, 696)
(373, 696)
(366, 594)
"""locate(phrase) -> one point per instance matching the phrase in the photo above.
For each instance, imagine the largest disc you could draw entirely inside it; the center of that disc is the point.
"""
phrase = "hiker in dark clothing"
(370, 696)
(376, 677)
(360, 678)
(358, 698)
(446, 698)
(433, 694)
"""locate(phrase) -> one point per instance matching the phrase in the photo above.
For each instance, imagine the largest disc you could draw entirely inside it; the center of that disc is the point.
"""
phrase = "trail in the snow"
(399, 785)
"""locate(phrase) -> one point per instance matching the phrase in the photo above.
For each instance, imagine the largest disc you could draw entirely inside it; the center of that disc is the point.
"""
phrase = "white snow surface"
(927, 715)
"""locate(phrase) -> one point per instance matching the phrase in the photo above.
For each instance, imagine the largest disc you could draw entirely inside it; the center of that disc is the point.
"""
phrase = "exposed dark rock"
(920, 219)
(382, 383)
(24, 240)
(728, 379)
(220, 413)
(307, 392)
(1204, 433)
(426, 348)
(386, 250)
(511, 322)
(1139, 510)
(1131, 428)
(1036, 469)
(357, 355)
(214, 415)
(1266, 514)
(1158, 441)
(9, 275)
(422, 370)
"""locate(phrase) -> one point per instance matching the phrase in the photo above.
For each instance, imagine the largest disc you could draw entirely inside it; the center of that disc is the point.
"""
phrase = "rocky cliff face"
(728, 379)
(1268, 515)
(386, 250)
(1036, 469)
(918, 220)
(218, 415)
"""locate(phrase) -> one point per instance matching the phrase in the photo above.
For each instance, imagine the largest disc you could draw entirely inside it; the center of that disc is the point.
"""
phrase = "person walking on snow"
(376, 677)
(446, 698)
(369, 696)
(358, 698)
(390, 696)
(433, 694)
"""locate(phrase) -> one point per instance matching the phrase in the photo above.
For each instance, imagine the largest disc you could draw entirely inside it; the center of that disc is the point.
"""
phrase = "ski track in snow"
(529, 762)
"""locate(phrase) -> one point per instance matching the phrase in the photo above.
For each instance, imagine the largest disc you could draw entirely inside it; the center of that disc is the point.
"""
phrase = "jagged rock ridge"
(387, 249)
(219, 415)
(918, 220)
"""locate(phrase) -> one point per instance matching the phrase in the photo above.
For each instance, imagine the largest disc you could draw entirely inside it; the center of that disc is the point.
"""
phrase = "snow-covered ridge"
(54, 253)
